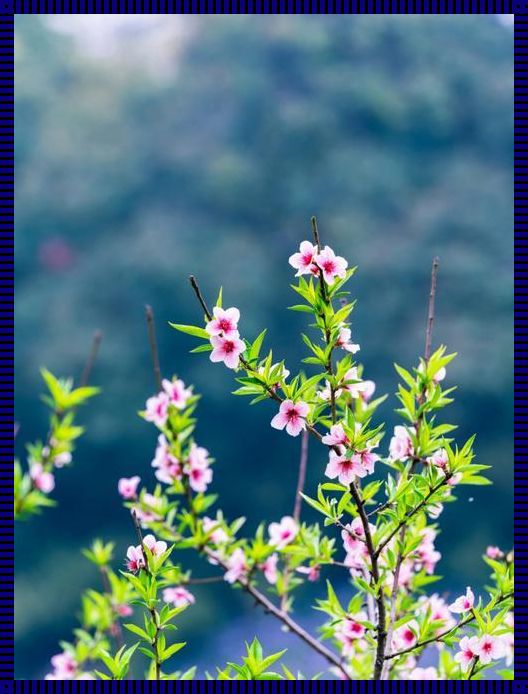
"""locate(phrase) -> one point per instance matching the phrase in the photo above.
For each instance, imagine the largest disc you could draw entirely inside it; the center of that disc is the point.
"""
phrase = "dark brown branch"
(315, 232)
(196, 288)
(431, 311)
(203, 581)
(374, 569)
(96, 343)
(151, 329)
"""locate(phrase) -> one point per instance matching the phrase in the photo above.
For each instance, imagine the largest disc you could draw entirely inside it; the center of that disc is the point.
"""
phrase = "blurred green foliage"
(394, 130)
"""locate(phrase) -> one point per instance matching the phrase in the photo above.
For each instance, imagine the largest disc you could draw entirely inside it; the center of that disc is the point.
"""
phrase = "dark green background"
(209, 157)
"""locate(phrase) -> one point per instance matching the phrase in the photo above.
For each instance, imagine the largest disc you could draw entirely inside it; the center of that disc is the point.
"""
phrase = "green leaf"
(171, 650)
(138, 631)
(191, 330)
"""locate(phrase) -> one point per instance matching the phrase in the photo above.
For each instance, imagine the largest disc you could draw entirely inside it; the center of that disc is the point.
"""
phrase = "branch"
(194, 285)
(393, 599)
(431, 311)
(380, 602)
(151, 328)
(96, 343)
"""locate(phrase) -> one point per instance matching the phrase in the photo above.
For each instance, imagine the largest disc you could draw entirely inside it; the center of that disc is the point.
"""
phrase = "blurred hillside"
(203, 145)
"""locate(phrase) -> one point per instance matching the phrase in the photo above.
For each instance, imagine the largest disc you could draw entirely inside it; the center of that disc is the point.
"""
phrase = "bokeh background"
(150, 147)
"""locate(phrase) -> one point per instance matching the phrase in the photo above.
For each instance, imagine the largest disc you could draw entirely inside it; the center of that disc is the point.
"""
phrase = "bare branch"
(96, 343)
(151, 329)
(431, 310)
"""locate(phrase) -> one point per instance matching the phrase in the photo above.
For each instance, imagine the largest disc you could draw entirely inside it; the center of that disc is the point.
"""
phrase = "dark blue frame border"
(8, 8)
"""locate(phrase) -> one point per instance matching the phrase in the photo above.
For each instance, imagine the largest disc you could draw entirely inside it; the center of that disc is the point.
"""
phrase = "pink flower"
(494, 552)
(349, 630)
(345, 469)
(439, 611)
(357, 386)
(218, 536)
(177, 392)
(464, 603)
(281, 534)
(435, 510)
(269, 568)
(200, 478)
(425, 554)
(64, 667)
(157, 409)
(313, 572)
(168, 467)
(356, 557)
(225, 322)
(127, 487)
(135, 558)
(439, 459)
(367, 390)
(123, 610)
(304, 261)
(156, 547)
(292, 416)
(344, 341)
(200, 474)
(331, 265)
(178, 596)
(455, 479)
(468, 651)
(439, 375)
(423, 673)
(42, 480)
(336, 437)
(355, 530)
(405, 636)
(153, 504)
(62, 459)
(236, 566)
(401, 446)
(490, 648)
(366, 460)
(227, 349)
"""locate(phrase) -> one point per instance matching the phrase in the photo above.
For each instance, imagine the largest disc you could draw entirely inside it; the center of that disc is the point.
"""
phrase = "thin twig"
(194, 285)
(151, 328)
(303, 461)
(203, 581)
(16, 429)
(473, 668)
(96, 343)
(431, 310)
